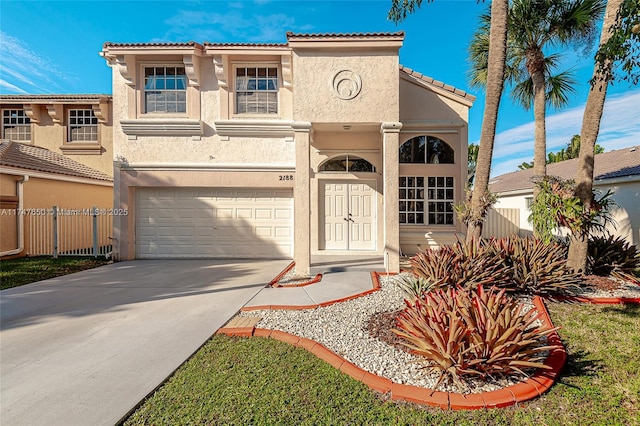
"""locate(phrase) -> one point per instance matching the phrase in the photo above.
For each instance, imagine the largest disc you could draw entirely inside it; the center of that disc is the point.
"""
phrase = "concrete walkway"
(85, 348)
(341, 277)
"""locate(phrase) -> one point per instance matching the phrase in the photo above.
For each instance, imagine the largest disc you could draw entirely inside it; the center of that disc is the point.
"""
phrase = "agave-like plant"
(535, 267)
(613, 257)
(462, 332)
(462, 264)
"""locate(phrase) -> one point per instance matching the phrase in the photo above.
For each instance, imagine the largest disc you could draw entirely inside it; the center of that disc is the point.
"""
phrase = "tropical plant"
(414, 285)
(556, 206)
(533, 26)
(469, 216)
(613, 256)
(571, 151)
(463, 264)
(611, 40)
(536, 267)
(473, 333)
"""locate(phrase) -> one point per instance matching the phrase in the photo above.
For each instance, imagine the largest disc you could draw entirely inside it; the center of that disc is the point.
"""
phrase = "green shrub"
(613, 257)
(472, 333)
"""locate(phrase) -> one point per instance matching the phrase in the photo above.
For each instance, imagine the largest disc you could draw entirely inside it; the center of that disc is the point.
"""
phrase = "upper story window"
(16, 125)
(165, 90)
(83, 126)
(256, 90)
(426, 150)
(347, 163)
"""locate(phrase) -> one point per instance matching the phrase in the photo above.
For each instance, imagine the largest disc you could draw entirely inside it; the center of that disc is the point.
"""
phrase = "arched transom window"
(426, 150)
(347, 163)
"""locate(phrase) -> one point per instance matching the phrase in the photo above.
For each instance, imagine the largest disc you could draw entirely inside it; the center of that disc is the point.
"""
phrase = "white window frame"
(424, 200)
(237, 89)
(143, 91)
(79, 123)
(21, 122)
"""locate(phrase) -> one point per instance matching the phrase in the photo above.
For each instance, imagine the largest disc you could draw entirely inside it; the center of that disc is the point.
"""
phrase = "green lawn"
(266, 382)
(17, 272)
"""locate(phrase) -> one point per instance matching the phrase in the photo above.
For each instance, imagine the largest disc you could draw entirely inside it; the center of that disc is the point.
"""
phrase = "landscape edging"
(534, 386)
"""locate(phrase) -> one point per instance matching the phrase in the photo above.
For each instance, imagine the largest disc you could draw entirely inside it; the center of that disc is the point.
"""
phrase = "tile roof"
(613, 164)
(437, 83)
(157, 44)
(15, 154)
(68, 97)
(214, 44)
(345, 35)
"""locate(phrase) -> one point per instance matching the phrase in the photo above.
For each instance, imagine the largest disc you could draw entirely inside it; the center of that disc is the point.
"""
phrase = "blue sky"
(52, 47)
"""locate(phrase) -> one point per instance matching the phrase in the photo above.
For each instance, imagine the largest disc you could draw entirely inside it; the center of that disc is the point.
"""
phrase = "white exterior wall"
(626, 212)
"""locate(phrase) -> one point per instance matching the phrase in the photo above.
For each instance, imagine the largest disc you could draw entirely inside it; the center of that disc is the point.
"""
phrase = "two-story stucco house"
(324, 144)
(55, 150)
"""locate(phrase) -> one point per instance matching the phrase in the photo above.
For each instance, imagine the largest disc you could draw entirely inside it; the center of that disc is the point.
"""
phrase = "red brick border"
(531, 388)
(375, 278)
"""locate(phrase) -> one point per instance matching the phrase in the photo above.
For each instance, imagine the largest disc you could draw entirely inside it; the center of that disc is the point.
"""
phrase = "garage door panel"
(212, 222)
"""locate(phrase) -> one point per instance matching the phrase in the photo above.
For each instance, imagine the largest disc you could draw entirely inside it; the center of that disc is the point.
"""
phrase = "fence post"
(94, 212)
(55, 232)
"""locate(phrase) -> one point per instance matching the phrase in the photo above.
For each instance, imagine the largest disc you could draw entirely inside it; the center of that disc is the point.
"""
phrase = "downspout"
(19, 218)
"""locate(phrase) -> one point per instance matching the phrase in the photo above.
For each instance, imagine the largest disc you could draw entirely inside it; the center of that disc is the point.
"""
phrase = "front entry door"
(349, 215)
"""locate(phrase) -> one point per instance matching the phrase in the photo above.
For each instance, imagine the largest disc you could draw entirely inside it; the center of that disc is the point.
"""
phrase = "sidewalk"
(342, 278)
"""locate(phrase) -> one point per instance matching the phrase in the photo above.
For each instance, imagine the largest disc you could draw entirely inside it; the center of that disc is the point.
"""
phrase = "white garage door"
(214, 222)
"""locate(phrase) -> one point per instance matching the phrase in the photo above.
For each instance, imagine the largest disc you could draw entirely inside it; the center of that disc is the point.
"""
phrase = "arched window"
(347, 163)
(426, 150)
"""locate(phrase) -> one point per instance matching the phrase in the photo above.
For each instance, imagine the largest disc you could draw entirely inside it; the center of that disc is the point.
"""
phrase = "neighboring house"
(618, 171)
(321, 145)
(56, 150)
(32, 181)
(77, 126)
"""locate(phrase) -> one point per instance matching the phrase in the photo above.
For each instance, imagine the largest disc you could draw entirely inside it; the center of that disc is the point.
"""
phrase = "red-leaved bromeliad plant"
(473, 333)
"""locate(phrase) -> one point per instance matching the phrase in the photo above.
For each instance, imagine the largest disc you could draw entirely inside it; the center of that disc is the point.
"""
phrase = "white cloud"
(11, 87)
(619, 128)
(25, 71)
(236, 25)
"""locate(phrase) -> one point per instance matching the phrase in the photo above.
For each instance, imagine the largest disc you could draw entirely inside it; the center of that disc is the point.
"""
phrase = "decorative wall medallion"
(347, 84)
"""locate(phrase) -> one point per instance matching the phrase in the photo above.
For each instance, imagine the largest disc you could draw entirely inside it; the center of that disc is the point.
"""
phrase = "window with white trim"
(256, 90)
(16, 125)
(165, 90)
(83, 126)
(347, 163)
(426, 205)
(426, 150)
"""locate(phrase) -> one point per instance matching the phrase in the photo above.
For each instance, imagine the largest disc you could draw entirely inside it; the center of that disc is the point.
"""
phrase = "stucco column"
(302, 199)
(390, 148)
(117, 219)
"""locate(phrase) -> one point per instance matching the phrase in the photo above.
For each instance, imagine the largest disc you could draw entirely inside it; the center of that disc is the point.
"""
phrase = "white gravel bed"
(626, 290)
(341, 328)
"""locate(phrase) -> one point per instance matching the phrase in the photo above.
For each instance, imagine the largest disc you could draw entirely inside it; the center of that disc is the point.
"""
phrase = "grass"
(264, 382)
(17, 272)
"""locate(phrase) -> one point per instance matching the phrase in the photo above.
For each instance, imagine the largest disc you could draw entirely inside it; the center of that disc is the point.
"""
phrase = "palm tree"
(534, 26)
(495, 57)
(602, 75)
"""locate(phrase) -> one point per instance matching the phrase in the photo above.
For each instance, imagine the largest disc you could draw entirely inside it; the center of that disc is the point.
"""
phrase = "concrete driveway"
(85, 348)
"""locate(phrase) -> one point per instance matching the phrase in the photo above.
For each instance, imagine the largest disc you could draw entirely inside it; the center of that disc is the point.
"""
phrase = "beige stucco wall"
(42, 194)
(213, 158)
(54, 136)
(417, 103)
(315, 99)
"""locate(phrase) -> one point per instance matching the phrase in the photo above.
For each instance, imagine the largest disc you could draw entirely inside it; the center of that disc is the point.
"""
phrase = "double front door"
(349, 215)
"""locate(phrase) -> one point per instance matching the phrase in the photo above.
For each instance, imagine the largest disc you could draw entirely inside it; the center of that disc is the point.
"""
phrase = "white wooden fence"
(69, 232)
(501, 223)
